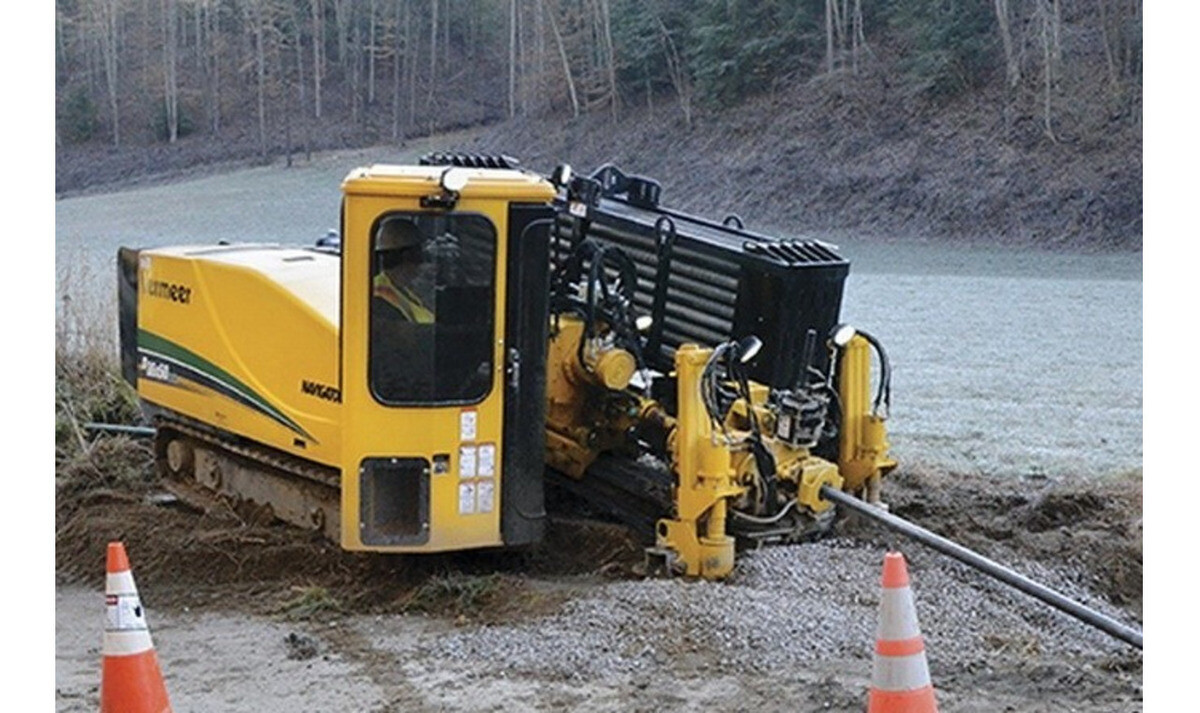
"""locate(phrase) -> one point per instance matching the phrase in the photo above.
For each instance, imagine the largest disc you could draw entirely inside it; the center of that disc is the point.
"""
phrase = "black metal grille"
(706, 282)
(469, 160)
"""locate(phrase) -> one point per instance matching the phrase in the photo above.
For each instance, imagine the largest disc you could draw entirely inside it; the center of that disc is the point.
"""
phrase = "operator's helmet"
(397, 233)
(398, 239)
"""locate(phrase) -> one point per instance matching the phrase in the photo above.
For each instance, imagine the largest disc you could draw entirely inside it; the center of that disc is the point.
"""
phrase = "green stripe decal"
(213, 375)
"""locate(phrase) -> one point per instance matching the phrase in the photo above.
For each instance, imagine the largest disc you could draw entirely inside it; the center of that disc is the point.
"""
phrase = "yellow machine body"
(244, 338)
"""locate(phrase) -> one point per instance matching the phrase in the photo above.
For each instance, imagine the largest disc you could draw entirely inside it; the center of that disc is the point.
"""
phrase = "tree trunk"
(298, 35)
(829, 5)
(260, 63)
(609, 55)
(214, 67)
(170, 59)
(109, 21)
(356, 56)
(676, 69)
(396, 66)
(340, 22)
(318, 24)
(371, 54)
(433, 38)
(1010, 60)
(512, 58)
(562, 53)
(1046, 21)
(410, 61)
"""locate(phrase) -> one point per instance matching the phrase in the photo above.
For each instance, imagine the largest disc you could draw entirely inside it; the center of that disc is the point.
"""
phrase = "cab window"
(432, 308)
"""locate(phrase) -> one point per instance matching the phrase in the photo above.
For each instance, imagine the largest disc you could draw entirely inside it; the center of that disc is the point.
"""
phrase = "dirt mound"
(1091, 529)
(195, 559)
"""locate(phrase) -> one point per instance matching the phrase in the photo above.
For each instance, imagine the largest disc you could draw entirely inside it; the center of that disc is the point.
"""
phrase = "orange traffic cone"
(131, 681)
(900, 680)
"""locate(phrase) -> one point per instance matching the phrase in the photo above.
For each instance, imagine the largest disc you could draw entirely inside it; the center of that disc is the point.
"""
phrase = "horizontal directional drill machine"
(476, 331)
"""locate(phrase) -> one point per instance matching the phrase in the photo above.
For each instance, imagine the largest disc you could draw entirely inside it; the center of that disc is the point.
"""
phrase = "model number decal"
(169, 291)
(155, 370)
(321, 391)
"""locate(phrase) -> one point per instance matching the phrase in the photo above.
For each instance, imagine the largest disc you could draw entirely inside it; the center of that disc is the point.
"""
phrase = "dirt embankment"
(821, 155)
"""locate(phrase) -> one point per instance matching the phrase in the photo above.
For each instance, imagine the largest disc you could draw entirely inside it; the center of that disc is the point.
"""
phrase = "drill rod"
(1089, 616)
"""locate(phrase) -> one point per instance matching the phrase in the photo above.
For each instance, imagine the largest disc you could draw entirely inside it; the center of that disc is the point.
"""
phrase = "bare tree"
(675, 68)
(170, 61)
(410, 59)
(1046, 19)
(318, 31)
(105, 19)
(562, 53)
(371, 53)
(1011, 64)
(397, 54)
(605, 23)
(341, 26)
(512, 58)
(356, 58)
(830, 11)
(212, 64)
(255, 14)
(433, 38)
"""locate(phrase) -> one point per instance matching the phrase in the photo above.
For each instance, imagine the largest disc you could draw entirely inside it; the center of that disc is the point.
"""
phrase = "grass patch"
(310, 602)
(454, 594)
(88, 387)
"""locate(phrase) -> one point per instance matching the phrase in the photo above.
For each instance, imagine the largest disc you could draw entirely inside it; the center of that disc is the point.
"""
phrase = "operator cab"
(443, 341)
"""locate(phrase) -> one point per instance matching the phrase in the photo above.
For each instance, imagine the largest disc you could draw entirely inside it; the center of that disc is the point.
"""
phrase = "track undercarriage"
(208, 469)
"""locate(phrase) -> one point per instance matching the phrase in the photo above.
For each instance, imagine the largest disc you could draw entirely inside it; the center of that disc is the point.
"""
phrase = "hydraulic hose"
(1092, 617)
(136, 431)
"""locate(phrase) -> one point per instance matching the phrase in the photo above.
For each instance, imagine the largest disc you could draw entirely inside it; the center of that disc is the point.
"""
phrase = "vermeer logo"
(169, 291)
(321, 391)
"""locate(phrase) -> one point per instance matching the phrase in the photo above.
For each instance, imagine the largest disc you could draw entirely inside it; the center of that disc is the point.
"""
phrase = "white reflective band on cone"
(126, 643)
(900, 673)
(897, 615)
(119, 583)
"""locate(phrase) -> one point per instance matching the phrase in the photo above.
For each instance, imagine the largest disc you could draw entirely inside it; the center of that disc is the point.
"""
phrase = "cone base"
(920, 700)
(133, 684)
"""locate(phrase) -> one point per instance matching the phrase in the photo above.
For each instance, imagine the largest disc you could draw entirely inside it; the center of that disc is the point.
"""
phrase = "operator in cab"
(432, 306)
(399, 250)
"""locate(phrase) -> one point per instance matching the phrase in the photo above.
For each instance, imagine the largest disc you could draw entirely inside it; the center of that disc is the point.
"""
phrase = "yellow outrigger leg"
(863, 449)
(695, 542)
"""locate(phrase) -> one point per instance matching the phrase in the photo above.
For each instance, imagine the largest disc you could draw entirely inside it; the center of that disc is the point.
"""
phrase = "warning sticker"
(124, 612)
(467, 425)
(486, 495)
(487, 460)
(466, 498)
(466, 461)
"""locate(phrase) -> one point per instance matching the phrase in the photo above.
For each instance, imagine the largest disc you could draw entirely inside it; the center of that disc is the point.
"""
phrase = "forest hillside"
(1011, 120)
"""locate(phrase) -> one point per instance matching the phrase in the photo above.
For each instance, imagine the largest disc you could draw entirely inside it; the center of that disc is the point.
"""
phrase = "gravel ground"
(787, 608)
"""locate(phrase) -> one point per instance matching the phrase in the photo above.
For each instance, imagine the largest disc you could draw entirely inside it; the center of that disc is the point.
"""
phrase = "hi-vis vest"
(402, 299)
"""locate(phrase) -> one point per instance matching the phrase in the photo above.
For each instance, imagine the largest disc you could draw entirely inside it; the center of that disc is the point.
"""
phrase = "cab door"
(423, 372)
